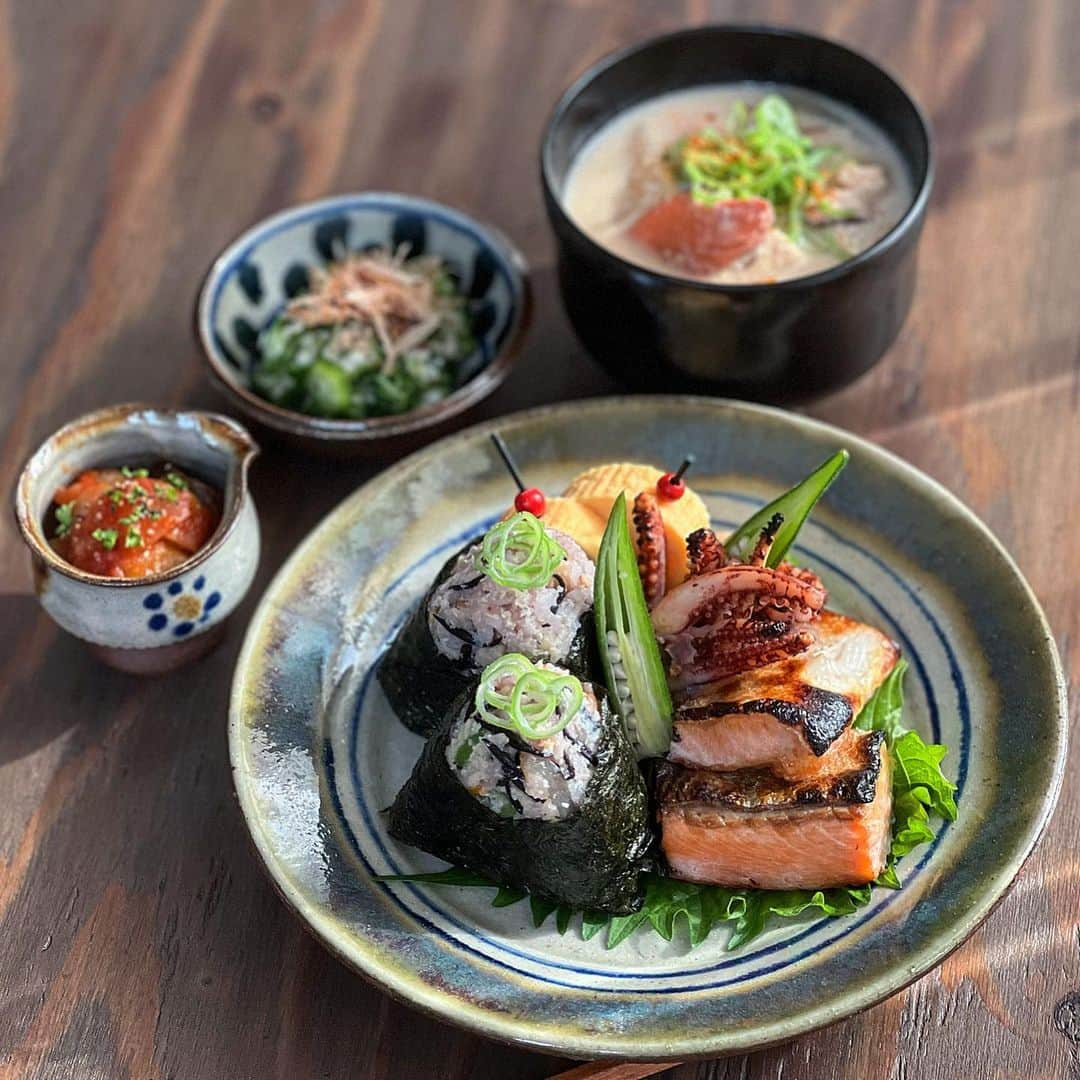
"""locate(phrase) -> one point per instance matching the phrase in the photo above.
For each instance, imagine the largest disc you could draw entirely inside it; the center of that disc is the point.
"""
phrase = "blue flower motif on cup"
(181, 609)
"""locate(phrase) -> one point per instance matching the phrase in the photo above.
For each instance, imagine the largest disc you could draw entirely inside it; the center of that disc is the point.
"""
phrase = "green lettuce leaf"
(884, 710)
(919, 790)
(919, 786)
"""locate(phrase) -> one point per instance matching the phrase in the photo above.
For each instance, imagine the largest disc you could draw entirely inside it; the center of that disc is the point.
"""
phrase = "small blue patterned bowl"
(256, 274)
(152, 624)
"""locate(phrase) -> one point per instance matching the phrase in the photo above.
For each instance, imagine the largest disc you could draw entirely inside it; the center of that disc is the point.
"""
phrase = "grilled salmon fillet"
(753, 829)
(786, 715)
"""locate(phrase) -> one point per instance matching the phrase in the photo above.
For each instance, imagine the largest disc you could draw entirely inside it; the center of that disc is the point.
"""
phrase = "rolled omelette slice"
(596, 490)
(576, 520)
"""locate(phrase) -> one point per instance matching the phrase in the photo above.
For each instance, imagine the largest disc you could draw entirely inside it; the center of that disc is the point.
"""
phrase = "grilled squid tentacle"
(705, 552)
(736, 618)
(728, 653)
(651, 547)
(803, 574)
(765, 540)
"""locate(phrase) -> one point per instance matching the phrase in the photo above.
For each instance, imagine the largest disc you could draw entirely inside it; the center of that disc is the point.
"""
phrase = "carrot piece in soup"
(702, 239)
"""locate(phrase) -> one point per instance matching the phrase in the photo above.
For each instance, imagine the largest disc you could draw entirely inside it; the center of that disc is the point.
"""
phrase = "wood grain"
(598, 1070)
(138, 938)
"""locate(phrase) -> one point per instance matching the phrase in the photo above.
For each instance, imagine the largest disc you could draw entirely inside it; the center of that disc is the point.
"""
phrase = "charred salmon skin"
(786, 715)
(753, 829)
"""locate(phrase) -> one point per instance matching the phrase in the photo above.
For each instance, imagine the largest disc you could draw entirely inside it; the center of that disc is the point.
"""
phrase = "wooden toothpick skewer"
(687, 462)
(504, 453)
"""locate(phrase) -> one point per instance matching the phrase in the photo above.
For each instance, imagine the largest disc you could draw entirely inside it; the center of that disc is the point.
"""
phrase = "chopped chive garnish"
(133, 474)
(176, 480)
(133, 538)
(139, 510)
(65, 518)
(105, 537)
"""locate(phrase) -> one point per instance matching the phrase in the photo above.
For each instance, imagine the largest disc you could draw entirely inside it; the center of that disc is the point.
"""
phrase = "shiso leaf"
(505, 897)
(592, 922)
(793, 506)
(452, 875)
(919, 789)
(563, 914)
(622, 926)
(620, 607)
(541, 909)
(888, 878)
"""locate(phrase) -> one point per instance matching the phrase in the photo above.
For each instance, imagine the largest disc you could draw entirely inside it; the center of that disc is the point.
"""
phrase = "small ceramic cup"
(153, 624)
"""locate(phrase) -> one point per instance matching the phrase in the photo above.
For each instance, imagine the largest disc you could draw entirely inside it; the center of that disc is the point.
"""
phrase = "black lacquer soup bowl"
(783, 341)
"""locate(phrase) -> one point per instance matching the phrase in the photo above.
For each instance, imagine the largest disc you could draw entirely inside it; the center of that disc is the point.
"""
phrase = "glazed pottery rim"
(908, 221)
(291, 421)
(412, 990)
(113, 415)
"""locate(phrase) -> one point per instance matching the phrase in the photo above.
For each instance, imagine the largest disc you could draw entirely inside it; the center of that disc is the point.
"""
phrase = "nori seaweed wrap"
(421, 682)
(584, 846)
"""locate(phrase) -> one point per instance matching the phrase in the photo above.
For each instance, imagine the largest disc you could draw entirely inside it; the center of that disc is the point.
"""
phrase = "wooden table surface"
(138, 936)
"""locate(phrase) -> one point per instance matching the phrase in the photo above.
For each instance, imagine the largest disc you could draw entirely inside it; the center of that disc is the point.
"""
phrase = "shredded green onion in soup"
(766, 156)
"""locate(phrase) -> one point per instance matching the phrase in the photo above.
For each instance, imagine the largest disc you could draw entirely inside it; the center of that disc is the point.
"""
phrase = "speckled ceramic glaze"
(152, 623)
(317, 754)
(254, 277)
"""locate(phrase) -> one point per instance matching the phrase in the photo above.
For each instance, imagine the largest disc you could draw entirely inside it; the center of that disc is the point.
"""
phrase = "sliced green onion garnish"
(537, 704)
(518, 553)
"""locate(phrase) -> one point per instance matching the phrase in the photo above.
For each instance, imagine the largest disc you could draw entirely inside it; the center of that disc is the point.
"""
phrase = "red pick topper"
(530, 501)
(671, 485)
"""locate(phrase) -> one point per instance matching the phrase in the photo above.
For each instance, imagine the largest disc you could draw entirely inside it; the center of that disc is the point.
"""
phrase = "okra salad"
(377, 333)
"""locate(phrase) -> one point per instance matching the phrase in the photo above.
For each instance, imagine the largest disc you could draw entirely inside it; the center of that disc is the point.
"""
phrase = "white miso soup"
(741, 183)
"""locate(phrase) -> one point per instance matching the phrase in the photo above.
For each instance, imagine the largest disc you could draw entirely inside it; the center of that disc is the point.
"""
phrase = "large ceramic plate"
(317, 754)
